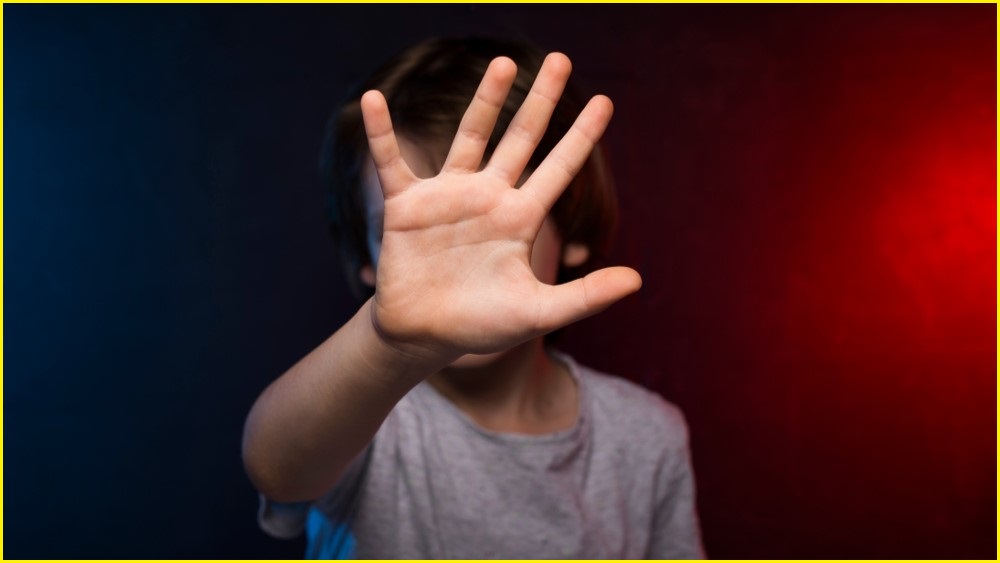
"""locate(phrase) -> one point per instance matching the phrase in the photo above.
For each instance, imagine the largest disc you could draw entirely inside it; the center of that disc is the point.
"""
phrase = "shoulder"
(630, 411)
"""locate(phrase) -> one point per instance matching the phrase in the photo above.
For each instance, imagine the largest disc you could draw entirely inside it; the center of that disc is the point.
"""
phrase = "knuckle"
(521, 132)
(565, 165)
(470, 135)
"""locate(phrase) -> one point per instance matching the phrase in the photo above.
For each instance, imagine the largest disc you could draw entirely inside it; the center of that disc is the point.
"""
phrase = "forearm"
(309, 424)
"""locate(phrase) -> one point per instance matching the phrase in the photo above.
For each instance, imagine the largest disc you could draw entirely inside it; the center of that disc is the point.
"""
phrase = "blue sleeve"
(288, 520)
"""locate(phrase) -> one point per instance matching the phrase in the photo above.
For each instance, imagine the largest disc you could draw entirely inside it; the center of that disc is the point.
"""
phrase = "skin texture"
(473, 225)
(465, 267)
(546, 253)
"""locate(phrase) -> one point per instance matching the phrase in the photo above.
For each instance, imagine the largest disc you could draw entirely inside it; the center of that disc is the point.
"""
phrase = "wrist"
(402, 360)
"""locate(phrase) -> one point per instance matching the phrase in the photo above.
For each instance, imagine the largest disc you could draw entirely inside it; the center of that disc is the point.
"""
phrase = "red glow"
(938, 234)
(820, 272)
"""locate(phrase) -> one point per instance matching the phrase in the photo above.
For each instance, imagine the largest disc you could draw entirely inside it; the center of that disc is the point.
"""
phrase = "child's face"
(546, 253)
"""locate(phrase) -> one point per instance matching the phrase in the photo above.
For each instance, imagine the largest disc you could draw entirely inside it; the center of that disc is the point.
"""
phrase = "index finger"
(567, 158)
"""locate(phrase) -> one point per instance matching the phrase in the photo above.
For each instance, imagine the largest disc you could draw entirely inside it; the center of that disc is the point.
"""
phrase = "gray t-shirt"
(434, 485)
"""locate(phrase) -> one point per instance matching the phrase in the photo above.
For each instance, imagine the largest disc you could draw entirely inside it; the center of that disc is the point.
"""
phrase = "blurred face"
(545, 253)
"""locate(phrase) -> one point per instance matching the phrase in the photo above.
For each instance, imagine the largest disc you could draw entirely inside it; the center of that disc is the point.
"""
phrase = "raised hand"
(454, 274)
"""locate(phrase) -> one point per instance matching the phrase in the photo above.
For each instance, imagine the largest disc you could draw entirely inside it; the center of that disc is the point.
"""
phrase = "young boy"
(436, 423)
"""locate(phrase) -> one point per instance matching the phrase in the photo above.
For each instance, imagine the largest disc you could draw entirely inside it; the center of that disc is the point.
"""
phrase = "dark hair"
(428, 88)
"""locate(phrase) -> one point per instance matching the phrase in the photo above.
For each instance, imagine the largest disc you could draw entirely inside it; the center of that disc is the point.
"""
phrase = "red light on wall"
(938, 235)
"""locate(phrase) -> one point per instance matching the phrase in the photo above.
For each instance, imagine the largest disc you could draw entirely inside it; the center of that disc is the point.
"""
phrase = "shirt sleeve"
(676, 532)
(287, 520)
(282, 520)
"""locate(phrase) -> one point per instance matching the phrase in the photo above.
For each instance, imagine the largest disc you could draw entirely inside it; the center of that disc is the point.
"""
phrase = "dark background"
(808, 191)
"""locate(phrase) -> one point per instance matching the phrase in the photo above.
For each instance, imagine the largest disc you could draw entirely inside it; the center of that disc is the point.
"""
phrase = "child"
(436, 423)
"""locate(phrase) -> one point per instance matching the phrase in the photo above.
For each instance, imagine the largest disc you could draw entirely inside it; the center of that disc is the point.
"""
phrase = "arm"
(308, 425)
(454, 277)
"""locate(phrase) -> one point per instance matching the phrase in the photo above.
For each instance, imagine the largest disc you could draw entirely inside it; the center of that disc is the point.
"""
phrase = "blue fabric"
(327, 540)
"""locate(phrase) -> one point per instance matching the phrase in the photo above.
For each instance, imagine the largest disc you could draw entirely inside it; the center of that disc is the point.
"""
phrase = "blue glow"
(326, 540)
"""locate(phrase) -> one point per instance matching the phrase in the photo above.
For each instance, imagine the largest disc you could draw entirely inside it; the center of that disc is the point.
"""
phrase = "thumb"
(569, 302)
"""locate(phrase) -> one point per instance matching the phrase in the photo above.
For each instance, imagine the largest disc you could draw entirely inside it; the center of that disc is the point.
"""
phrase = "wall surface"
(808, 191)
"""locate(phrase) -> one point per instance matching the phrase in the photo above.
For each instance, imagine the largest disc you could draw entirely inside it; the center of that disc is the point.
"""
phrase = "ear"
(367, 275)
(575, 254)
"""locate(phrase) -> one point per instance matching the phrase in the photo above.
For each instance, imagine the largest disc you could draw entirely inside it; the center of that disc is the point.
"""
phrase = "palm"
(473, 237)
(454, 272)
